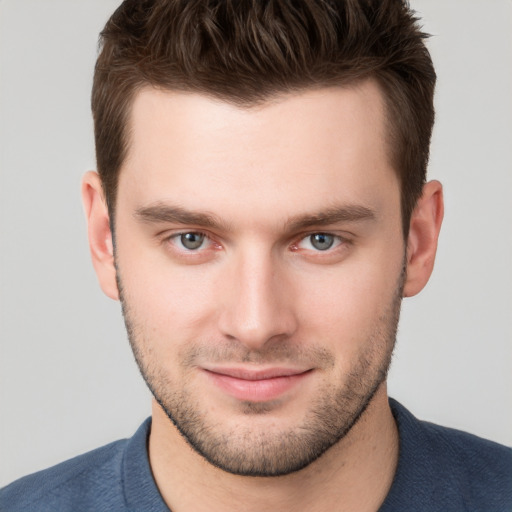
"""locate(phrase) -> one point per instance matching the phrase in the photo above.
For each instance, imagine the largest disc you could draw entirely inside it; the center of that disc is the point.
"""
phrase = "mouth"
(256, 385)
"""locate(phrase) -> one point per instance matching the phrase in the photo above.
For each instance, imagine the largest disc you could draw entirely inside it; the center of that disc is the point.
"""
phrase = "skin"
(257, 296)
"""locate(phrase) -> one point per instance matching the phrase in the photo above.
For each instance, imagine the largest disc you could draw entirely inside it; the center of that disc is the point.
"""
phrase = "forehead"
(314, 147)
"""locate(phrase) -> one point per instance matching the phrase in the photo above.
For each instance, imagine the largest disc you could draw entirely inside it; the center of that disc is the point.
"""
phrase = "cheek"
(168, 302)
(346, 307)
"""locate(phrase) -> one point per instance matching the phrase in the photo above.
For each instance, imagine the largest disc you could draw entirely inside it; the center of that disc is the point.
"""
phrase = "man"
(260, 211)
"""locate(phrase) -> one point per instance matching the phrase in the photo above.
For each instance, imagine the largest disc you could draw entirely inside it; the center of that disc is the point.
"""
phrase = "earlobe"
(100, 235)
(425, 226)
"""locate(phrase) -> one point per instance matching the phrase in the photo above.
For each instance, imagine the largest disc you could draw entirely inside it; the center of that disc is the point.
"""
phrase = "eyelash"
(338, 241)
(174, 239)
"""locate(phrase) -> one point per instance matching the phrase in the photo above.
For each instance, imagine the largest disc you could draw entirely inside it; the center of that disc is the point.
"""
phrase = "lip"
(256, 385)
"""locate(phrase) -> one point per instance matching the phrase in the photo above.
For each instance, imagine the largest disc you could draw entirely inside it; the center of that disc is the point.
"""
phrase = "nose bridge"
(258, 308)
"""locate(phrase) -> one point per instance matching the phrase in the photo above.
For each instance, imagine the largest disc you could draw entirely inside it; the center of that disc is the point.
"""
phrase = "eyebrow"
(333, 215)
(165, 213)
(160, 213)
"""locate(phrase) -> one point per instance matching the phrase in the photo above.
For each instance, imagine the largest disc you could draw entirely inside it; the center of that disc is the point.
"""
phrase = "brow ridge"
(161, 213)
(333, 215)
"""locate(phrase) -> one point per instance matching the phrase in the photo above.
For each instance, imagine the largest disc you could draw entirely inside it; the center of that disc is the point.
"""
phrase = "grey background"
(67, 380)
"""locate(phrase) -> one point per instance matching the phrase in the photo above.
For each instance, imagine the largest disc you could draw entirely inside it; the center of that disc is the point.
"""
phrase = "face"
(260, 257)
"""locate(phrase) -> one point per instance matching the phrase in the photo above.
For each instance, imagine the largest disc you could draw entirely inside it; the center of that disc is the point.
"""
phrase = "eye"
(191, 241)
(319, 242)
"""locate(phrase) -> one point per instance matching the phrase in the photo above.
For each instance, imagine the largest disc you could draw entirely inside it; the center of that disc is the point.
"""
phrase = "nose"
(258, 302)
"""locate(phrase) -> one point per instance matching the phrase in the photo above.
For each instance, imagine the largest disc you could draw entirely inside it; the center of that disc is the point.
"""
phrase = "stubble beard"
(250, 452)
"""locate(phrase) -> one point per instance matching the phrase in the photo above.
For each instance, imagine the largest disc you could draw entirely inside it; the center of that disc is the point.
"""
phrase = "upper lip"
(256, 373)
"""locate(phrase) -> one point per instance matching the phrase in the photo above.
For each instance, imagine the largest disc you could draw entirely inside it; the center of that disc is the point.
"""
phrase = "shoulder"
(89, 479)
(450, 469)
(481, 470)
(473, 454)
(115, 477)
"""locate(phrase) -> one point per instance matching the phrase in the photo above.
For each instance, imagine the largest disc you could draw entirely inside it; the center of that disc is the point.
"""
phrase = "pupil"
(192, 240)
(321, 241)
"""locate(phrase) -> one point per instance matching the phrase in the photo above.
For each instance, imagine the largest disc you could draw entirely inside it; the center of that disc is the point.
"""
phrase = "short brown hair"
(245, 51)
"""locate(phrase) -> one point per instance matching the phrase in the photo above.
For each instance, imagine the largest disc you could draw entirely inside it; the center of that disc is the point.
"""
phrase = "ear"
(424, 230)
(100, 235)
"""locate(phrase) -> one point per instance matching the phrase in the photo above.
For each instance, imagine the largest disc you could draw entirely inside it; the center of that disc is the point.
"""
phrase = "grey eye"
(321, 241)
(192, 241)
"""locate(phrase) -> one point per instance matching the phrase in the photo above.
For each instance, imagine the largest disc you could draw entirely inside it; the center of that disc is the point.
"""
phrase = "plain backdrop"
(67, 380)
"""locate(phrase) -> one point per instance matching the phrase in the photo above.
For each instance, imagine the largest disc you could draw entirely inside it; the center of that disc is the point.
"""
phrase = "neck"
(354, 474)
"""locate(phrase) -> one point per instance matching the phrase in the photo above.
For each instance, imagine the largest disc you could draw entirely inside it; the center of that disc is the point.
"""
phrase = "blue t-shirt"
(439, 469)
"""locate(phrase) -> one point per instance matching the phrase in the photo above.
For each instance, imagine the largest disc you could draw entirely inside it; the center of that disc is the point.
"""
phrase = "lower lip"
(262, 390)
